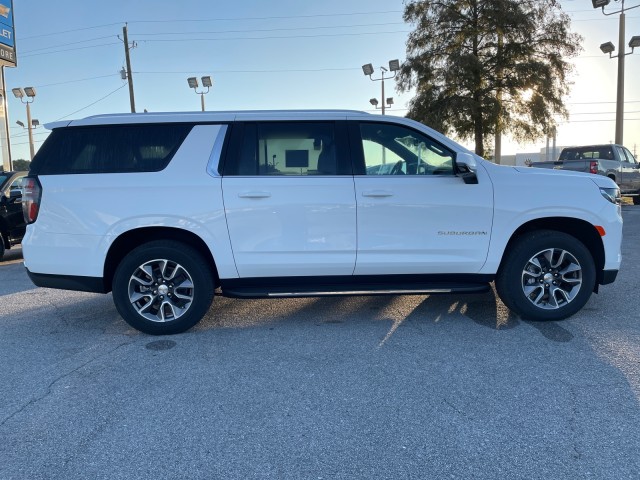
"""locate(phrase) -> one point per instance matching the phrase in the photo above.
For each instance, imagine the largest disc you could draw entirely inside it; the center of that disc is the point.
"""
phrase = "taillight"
(593, 167)
(31, 195)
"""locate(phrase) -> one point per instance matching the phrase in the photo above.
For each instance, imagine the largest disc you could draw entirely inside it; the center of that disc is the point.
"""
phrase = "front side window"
(396, 150)
(622, 154)
(286, 148)
(630, 156)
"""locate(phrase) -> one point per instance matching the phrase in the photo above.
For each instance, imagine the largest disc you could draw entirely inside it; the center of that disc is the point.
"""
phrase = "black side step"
(288, 291)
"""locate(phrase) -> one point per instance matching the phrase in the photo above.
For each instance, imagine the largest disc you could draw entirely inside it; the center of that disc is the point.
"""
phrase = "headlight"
(611, 194)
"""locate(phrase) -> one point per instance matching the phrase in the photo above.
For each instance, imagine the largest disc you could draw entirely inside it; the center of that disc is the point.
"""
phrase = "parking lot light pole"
(24, 94)
(394, 66)
(206, 82)
(608, 47)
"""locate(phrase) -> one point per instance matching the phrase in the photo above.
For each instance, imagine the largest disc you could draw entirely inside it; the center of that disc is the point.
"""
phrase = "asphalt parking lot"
(399, 387)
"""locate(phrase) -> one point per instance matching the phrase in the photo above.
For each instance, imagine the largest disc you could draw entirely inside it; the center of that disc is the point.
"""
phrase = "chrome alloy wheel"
(161, 290)
(552, 278)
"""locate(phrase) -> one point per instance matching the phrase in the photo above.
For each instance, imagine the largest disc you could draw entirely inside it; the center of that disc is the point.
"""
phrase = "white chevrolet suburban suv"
(163, 209)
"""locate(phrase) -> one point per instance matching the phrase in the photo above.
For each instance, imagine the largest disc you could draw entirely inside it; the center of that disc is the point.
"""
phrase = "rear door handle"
(254, 195)
(377, 194)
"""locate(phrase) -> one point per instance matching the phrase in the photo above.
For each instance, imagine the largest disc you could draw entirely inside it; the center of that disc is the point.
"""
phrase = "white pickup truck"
(162, 209)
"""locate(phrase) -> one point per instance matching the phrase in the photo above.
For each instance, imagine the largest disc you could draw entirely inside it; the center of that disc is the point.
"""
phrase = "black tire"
(636, 200)
(175, 299)
(2, 249)
(519, 275)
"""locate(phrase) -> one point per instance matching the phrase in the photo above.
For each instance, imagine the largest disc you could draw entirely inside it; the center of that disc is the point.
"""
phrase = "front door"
(629, 171)
(289, 199)
(415, 216)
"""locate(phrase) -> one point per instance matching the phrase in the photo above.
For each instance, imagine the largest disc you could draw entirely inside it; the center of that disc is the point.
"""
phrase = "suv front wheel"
(546, 275)
(163, 287)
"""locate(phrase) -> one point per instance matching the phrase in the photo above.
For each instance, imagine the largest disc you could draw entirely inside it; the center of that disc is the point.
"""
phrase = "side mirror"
(466, 166)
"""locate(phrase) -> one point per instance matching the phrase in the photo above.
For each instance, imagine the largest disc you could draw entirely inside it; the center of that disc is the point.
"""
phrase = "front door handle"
(377, 194)
(254, 195)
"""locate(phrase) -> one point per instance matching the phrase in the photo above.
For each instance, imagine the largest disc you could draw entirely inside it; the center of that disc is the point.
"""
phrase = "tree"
(21, 165)
(485, 66)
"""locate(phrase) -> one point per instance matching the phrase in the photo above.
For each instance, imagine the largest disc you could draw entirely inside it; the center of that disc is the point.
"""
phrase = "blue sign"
(6, 23)
(7, 40)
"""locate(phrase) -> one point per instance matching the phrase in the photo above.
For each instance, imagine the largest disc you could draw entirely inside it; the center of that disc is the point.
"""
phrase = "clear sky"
(275, 54)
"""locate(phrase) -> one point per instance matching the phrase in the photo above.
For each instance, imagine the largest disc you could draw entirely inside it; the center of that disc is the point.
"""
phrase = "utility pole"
(620, 88)
(129, 72)
(609, 48)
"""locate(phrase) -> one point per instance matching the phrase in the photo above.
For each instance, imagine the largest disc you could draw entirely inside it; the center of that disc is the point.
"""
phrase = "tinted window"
(587, 153)
(109, 149)
(396, 150)
(285, 148)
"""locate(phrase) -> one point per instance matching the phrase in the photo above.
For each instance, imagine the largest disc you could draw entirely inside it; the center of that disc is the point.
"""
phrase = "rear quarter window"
(109, 149)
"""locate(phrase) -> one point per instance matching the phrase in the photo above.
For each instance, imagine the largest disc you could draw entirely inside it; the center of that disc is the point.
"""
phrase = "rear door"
(289, 199)
(415, 216)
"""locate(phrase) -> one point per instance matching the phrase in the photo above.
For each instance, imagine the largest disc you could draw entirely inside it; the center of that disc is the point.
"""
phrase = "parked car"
(12, 224)
(163, 208)
(613, 161)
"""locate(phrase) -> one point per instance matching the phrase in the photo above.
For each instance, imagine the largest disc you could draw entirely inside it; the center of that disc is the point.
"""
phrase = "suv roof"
(197, 117)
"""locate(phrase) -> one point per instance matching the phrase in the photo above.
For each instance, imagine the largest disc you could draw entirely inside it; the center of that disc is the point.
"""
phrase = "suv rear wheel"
(163, 287)
(546, 275)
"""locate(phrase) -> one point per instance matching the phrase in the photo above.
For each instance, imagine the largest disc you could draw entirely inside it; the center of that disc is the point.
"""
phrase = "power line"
(93, 103)
(594, 121)
(78, 80)
(285, 70)
(273, 37)
(320, 27)
(220, 19)
(70, 49)
(279, 17)
(594, 103)
(221, 39)
(67, 44)
(70, 31)
(600, 113)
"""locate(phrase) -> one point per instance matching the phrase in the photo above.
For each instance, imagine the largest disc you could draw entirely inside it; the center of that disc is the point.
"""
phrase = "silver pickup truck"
(610, 160)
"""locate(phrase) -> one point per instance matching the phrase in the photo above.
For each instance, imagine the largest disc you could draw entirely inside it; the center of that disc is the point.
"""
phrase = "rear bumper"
(68, 282)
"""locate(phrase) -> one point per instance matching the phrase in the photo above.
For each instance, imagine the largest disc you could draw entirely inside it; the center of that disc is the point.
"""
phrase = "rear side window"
(287, 148)
(109, 149)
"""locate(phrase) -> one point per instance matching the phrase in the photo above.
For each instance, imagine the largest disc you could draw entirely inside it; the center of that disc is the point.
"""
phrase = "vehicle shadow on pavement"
(485, 310)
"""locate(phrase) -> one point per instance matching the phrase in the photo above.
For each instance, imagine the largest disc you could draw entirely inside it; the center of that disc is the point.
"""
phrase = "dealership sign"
(7, 40)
